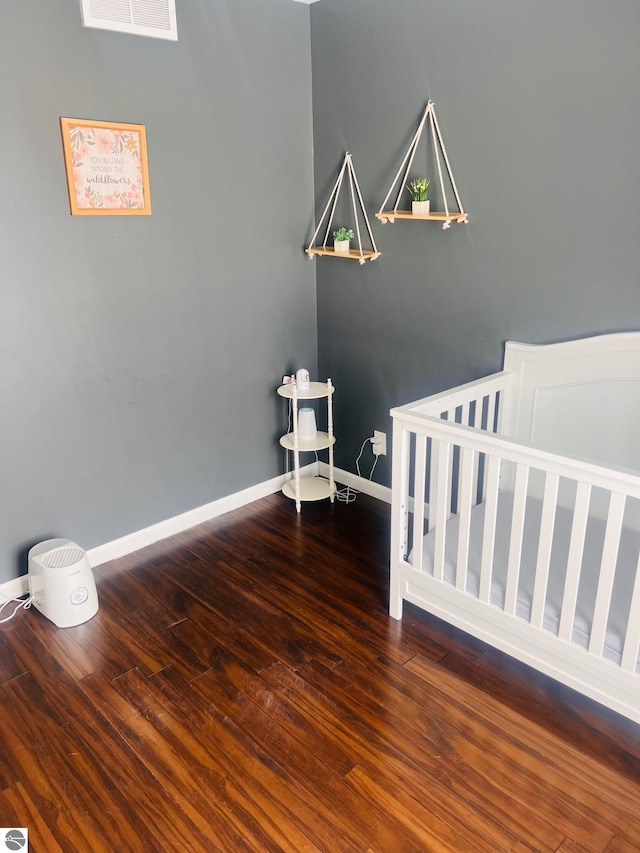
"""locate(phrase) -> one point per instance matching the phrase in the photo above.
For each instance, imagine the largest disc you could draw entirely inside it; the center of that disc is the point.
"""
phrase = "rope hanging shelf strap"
(411, 150)
(332, 198)
(353, 204)
(354, 181)
(435, 138)
(434, 120)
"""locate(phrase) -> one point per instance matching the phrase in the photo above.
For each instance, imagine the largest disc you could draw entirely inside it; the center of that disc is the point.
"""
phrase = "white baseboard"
(360, 484)
(14, 589)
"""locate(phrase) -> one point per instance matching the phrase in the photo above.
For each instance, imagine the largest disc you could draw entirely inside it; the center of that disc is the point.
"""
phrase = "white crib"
(516, 512)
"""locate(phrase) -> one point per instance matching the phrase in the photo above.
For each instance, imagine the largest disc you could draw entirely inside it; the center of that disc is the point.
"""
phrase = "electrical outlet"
(379, 442)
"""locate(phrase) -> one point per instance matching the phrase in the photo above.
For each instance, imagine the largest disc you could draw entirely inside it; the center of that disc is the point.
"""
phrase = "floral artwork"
(106, 167)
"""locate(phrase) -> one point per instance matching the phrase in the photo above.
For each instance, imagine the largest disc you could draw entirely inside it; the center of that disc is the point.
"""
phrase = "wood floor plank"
(414, 760)
(44, 758)
(206, 631)
(435, 834)
(554, 762)
(439, 758)
(9, 664)
(243, 758)
(280, 715)
(448, 638)
(18, 809)
(311, 758)
(619, 845)
(538, 697)
(264, 622)
(149, 595)
(569, 846)
(545, 784)
(183, 765)
(82, 649)
(90, 789)
(242, 688)
(308, 599)
(148, 643)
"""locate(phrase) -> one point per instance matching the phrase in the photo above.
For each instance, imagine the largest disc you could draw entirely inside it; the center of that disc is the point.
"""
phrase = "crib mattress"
(594, 540)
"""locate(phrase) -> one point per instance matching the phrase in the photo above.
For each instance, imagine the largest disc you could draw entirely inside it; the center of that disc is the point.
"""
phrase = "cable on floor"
(19, 602)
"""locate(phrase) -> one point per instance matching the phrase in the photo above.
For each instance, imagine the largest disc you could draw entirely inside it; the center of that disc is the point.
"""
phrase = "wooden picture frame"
(106, 164)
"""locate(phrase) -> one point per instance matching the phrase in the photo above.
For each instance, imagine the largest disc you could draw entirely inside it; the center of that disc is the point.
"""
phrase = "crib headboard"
(579, 398)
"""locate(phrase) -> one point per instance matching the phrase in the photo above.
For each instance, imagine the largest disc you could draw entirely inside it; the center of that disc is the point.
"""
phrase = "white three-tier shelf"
(300, 488)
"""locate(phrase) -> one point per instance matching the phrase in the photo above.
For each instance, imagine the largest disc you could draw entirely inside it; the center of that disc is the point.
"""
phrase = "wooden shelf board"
(353, 254)
(438, 216)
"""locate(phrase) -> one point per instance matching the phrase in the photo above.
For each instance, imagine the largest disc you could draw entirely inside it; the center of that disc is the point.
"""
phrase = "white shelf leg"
(296, 447)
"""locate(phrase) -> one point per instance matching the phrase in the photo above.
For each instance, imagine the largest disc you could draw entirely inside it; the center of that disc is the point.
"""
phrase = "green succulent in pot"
(419, 187)
(342, 234)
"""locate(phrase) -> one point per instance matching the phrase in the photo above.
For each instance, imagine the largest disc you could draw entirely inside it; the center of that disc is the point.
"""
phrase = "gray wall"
(139, 356)
(539, 106)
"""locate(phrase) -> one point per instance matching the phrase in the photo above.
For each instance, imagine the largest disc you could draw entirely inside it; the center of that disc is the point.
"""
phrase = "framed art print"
(106, 163)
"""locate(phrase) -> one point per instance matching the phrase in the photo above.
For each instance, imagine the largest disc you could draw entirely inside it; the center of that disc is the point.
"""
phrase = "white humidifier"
(307, 423)
(61, 582)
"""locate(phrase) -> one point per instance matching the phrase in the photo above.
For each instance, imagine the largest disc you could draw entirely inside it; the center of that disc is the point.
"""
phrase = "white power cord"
(349, 494)
(19, 602)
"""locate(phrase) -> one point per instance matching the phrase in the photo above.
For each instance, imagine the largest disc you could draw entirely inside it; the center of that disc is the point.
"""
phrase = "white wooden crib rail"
(448, 456)
(474, 405)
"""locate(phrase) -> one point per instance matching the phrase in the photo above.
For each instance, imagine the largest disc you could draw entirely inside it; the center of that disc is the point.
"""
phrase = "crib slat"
(491, 423)
(607, 573)
(465, 411)
(474, 417)
(489, 530)
(482, 407)
(433, 480)
(631, 647)
(441, 507)
(515, 542)
(485, 420)
(574, 560)
(465, 502)
(547, 522)
(418, 500)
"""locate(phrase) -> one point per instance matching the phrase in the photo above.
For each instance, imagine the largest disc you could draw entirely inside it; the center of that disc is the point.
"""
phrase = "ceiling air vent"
(156, 18)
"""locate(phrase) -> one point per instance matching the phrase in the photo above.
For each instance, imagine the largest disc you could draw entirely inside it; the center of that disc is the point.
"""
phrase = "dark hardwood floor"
(242, 688)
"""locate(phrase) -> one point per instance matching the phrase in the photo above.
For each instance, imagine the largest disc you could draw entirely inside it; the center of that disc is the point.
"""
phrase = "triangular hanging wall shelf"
(361, 255)
(447, 216)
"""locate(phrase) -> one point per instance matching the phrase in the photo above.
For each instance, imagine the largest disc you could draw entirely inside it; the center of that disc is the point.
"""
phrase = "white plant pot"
(420, 207)
(341, 246)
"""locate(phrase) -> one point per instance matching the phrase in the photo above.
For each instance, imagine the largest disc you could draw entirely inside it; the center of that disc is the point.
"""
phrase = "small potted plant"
(341, 239)
(419, 188)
